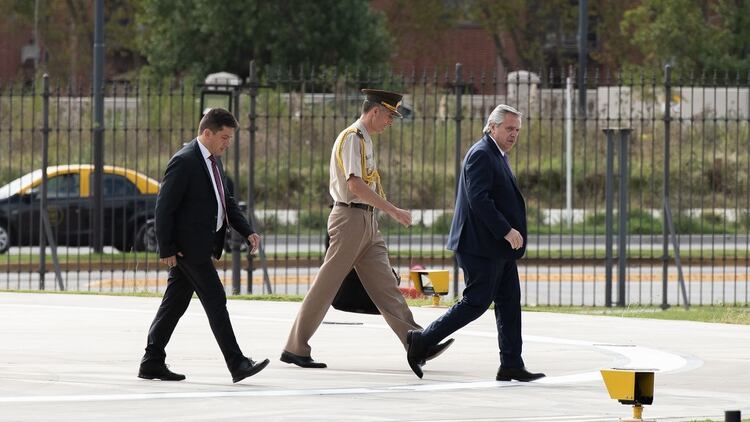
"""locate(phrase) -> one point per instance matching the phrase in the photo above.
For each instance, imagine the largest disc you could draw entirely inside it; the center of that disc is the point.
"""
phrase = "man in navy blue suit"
(488, 235)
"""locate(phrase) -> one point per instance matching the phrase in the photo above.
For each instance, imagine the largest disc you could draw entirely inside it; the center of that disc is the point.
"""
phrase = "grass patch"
(269, 298)
(562, 252)
(84, 293)
(714, 314)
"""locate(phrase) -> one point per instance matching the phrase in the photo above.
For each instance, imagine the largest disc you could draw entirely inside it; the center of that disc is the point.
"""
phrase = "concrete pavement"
(75, 358)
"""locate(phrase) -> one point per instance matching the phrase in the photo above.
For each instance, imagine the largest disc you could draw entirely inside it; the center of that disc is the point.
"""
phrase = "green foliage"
(315, 220)
(713, 314)
(643, 222)
(269, 224)
(442, 224)
(203, 36)
(693, 36)
(66, 32)
(525, 32)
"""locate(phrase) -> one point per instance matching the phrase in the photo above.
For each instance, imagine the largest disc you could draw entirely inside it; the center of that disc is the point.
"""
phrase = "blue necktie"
(507, 163)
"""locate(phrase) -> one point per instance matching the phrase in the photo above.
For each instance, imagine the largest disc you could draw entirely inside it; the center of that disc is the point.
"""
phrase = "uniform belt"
(356, 205)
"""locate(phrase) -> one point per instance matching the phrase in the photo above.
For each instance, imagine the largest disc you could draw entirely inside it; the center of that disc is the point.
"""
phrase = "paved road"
(74, 358)
(541, 285)
(316, 243)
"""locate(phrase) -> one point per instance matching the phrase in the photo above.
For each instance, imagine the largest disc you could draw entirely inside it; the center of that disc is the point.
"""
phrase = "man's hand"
(402, 216)
(254, 240)
(171, 261)
(514, 238)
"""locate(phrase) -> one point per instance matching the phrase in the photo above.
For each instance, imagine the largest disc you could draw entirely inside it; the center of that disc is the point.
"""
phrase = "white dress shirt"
(220, 214)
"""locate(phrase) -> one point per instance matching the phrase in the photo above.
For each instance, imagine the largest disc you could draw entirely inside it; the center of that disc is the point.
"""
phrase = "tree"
(527, 34)
(613, 46)
(693, 36)
(204, 36)
(66, 34)
(668, 31)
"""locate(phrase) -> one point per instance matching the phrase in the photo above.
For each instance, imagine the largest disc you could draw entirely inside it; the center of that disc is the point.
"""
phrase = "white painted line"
(636, 356)
(631, 356)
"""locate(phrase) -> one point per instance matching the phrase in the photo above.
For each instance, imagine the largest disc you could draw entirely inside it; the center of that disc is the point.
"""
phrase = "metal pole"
(236, 258)
(252, 128)
(583, 38)
(569, 150)
(43, 193)
(622, 248)
(608, 184)
(665, 182)
(45, 229)
(457, 162)
(667, 211)
(97, 232)
(251, 173)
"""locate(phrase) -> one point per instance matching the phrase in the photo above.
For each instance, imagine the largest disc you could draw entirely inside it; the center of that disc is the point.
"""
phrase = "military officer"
(356, 241)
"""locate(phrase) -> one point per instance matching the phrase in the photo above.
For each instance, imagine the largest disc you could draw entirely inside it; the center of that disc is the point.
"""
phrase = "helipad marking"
(634, 357)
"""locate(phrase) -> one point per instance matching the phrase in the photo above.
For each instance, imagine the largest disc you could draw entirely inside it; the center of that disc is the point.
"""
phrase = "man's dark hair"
(216, 119)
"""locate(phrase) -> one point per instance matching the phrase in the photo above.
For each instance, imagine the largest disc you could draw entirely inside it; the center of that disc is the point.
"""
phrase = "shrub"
(442, 224)
(315, 219)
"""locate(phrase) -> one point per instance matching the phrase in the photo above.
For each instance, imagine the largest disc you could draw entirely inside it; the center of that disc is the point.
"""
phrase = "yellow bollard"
(630, 386)
(431, 282)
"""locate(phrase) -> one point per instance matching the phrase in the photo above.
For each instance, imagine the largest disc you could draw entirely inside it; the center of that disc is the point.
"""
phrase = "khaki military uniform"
(356, 243)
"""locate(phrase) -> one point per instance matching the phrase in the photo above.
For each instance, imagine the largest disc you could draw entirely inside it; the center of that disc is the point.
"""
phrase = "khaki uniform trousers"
(355, 243)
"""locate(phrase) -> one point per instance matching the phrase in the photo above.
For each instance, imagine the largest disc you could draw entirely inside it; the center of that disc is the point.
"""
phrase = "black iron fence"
(279, 168)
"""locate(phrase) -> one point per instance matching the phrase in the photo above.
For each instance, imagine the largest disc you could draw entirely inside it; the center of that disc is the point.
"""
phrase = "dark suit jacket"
(186, 208)
(488, 205)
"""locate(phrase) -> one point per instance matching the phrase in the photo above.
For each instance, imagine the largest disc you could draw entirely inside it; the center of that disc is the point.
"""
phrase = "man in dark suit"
(194, 209)
(488, 235)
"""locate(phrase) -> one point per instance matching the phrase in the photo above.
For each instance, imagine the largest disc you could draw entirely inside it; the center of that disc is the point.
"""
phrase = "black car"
(129, 202)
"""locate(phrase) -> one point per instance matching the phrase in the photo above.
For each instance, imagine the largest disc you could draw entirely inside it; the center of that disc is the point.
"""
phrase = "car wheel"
(145, 238)
(4, 238)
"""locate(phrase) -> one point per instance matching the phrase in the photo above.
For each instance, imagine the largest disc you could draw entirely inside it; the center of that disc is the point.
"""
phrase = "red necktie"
(219, 185)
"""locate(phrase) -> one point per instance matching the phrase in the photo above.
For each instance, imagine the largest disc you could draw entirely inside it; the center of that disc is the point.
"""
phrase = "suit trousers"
(487, 281)
(184, 279)
(355, 243)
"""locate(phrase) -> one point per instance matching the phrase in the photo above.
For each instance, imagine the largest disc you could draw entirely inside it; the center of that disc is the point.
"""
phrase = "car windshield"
(15, 186)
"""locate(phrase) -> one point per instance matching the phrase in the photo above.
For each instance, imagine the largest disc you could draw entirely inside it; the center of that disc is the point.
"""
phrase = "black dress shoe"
(519, 374)
(158, 371)
(437, 350)
(303, 361)
(248, 368)
(416, 352)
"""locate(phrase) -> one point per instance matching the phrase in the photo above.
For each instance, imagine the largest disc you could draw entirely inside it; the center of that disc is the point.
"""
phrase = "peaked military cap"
(389, 100)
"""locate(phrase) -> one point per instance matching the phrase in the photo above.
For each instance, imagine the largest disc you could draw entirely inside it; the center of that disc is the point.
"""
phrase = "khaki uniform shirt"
(351, 158)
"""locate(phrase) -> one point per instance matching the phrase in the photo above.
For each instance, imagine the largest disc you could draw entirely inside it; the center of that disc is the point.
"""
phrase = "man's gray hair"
(498, 114)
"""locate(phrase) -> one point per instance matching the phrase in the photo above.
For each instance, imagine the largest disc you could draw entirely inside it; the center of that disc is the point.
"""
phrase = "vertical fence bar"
(457, 162)
(665, 188)
(98, 126)
(43, 199)
(235, 237)
(569, 151)
(608, 194)
(251, 127)
(622, 248)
